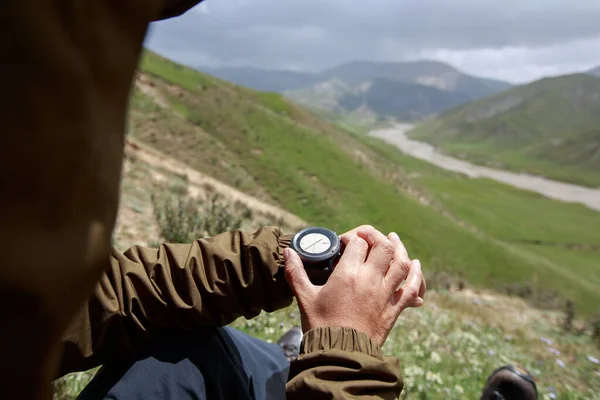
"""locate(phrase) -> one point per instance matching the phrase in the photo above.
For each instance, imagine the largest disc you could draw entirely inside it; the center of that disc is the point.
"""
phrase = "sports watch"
(317, 247)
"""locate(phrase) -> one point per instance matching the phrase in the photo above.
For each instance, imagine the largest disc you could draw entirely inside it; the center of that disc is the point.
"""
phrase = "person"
(204, 286)
(68, 303)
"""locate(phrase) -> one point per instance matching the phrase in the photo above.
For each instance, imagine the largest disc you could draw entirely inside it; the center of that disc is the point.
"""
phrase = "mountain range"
(408, 90)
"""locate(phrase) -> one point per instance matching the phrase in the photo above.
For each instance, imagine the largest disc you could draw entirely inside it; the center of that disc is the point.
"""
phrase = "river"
(552, 189)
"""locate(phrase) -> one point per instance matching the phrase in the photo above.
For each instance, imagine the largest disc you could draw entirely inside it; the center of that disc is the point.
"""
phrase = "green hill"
(266, 146)
(550, 127)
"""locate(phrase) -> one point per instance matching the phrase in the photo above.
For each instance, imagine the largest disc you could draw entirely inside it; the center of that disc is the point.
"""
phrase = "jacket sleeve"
(210, 282)
(341, 363)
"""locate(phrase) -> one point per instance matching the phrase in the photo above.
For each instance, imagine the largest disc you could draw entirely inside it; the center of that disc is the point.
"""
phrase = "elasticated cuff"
(338, 338)
(284, 242)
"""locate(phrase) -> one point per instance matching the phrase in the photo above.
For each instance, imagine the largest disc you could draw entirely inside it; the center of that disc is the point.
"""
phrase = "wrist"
(339, 338)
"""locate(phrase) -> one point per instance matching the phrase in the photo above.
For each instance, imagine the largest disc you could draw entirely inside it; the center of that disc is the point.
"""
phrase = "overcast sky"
(514, 40)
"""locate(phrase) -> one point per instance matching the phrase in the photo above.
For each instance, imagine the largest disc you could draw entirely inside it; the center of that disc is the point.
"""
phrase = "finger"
(408, 295)
(402, 254)
(370, 234)
(381, 249)
(296, 276)
(400, 265)
(400, 249)
(423, 288)
(354, 255)
(348, 236)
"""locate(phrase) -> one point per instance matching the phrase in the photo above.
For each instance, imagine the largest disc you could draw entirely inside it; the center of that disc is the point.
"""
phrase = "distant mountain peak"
(594, 71)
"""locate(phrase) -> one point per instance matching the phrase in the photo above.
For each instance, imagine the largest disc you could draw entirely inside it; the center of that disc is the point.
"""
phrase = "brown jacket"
(67, 68)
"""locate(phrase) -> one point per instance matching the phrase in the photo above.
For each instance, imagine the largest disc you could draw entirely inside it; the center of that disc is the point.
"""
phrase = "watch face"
(315, 243)
(316, 246)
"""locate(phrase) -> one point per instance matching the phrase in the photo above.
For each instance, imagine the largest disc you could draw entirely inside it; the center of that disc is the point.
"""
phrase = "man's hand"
(365, 290)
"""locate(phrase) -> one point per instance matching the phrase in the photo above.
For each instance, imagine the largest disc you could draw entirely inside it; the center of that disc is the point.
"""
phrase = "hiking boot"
(290, 343)
(509, 383)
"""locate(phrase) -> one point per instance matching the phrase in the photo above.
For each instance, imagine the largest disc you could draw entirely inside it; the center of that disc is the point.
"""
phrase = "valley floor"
(561, 191)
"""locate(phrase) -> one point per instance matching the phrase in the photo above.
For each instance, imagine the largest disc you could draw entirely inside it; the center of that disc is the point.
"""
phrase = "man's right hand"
(365, 290)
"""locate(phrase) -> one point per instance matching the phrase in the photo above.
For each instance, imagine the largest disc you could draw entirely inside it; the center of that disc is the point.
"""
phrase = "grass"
(449, 347)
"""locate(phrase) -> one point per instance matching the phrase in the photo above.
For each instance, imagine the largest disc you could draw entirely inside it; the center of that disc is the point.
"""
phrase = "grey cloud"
(315, 34)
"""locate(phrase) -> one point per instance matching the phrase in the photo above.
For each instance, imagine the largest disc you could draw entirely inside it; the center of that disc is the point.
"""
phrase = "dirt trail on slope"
(198, 181)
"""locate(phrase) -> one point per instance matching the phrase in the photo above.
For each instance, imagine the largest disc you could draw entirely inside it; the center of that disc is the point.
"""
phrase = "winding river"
(552, 189)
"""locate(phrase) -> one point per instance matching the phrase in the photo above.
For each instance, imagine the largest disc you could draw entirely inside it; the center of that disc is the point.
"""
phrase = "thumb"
(296, 276)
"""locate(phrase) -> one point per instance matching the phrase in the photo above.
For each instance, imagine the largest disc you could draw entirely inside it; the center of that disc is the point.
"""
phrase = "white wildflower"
(418, 351)
(434, 377)
(435, 358)
(472, 338)
(413, 335)
(269, 330)
(414, 370)
(433, 338)
(459, 389)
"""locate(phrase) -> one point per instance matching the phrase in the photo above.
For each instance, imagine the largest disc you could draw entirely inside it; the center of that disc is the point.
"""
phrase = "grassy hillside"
(265, 146)
(550, 127)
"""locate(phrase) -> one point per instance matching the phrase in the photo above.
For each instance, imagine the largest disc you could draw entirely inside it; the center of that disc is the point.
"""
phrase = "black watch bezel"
(320, 258)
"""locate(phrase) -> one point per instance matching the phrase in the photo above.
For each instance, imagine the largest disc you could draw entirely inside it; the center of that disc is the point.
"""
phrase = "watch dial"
(315, 243)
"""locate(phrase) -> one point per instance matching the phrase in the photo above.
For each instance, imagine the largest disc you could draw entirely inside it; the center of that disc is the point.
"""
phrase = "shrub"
(183, 219)
(595, 325)
(569, 316)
